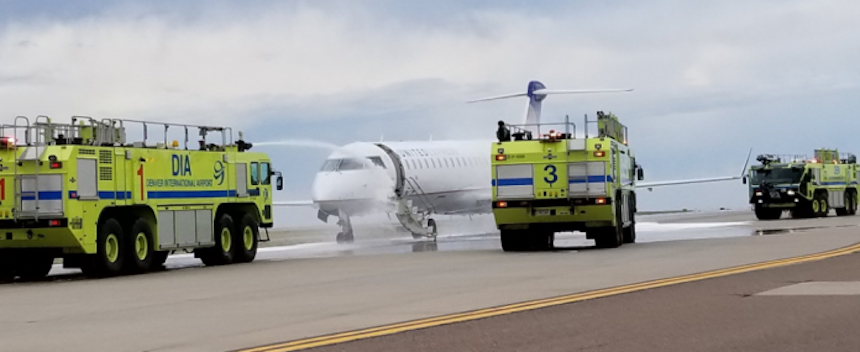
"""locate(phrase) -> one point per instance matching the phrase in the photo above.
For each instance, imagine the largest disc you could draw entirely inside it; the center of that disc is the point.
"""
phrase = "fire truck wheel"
(33, 265)
(819, 204)
(222, 252)
(110, 252)
(7, 274)
(629, 234)
(763, 213)
(852, 202)
(158, 260)
(609, 237)
(246, 240)
(141, 250)
(512, 240)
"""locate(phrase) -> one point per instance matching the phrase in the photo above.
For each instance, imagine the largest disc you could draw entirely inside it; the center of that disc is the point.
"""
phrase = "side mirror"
(279, 181)
(640, 174)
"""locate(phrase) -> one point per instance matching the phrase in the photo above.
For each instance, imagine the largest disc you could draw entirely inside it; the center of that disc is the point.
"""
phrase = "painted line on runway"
(331, 339)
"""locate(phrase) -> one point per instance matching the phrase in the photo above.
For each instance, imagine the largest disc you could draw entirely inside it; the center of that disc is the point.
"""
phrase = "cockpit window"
(377, 161)
(330, 165)
(351, 164)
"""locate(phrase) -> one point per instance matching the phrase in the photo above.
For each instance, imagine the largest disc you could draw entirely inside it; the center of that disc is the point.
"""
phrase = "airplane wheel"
(432, 225)
(339, 237)
(345, 237)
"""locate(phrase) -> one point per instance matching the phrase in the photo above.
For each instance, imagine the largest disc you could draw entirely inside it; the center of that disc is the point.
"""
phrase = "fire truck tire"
(610, 237)
(852, 202)
(33, 266)
(110, 252)
(512, 240)
(141, 250)
(246, 239)
(7, 273)
(763, 213)
(850, 207)
(222, 252)
(630, 231)
(543, 241)
(820, 207)
(158, 260)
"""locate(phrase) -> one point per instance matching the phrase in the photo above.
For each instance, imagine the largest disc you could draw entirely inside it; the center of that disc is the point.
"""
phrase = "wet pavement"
(673, 227)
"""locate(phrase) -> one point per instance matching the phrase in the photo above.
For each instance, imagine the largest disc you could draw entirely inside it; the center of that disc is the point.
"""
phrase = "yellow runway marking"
(536, 304)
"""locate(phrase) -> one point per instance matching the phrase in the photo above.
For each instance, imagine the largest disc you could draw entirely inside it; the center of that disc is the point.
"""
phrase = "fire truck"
(84, 193)
(553, 182)
(806, 187)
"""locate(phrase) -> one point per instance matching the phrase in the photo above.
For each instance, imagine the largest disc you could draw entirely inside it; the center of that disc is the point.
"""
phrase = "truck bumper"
(557, 219)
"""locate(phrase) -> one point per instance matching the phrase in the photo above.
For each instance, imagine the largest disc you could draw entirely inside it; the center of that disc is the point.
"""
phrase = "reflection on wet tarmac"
(572, 242)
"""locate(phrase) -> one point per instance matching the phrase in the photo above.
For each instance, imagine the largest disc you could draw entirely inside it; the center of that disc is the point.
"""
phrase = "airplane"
(418, 179)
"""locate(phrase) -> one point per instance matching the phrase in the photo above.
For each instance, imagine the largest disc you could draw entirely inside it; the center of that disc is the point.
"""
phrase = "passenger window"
(255, 174)
(426, 163)
(265, 174)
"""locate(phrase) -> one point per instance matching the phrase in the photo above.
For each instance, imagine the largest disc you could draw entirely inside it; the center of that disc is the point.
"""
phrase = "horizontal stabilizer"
(506, 96)
(548, 91)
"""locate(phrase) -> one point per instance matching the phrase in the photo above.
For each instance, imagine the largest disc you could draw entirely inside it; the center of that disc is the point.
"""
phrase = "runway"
(303, 290)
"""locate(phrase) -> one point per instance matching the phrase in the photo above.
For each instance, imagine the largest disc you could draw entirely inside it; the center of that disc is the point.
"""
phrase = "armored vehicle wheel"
(246, 240)
(141, 251)
(222, 252)
(763, 213)
(33, 265)
(110, 252)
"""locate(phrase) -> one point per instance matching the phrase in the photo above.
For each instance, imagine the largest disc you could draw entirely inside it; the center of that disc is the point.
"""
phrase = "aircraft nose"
(353, 185)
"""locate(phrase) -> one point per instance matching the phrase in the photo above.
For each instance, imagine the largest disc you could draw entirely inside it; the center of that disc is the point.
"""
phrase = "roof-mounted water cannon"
(242, 145)
(766, 159)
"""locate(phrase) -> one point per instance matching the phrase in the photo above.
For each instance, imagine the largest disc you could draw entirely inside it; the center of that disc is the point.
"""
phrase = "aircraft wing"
(685, 182)
(295, 203)
(650, 185)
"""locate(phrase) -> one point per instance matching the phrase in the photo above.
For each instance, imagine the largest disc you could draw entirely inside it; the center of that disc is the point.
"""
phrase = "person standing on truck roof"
(503, 134)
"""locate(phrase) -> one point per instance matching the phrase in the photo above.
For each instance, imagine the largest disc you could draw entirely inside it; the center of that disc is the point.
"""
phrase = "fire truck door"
(241, 179)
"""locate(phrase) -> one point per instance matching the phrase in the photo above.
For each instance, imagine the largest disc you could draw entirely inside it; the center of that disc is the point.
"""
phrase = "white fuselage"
(446, 177)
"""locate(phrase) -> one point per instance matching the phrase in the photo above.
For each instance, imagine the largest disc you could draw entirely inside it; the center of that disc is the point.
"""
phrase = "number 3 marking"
(550, 169)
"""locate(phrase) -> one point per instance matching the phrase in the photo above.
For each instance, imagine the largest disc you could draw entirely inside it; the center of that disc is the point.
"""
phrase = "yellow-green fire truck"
(807, 187)
(82, 193)
(554, 182)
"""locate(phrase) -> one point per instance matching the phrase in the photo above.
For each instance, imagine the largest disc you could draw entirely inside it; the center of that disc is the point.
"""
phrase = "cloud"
(711, 79)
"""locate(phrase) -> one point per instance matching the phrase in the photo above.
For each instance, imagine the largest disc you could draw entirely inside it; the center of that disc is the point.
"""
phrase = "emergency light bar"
(7, 142)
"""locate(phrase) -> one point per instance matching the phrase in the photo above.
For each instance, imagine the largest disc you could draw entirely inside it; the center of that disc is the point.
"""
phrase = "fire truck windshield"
(777, 176)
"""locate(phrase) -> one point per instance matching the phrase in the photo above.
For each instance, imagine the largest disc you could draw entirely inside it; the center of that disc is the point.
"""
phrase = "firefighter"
(503, 134)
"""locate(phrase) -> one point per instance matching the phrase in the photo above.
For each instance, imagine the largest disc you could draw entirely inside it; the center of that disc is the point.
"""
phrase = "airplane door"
(241, 179)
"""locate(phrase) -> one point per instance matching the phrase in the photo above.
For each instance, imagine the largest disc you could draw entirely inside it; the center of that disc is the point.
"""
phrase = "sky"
(711, 79)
